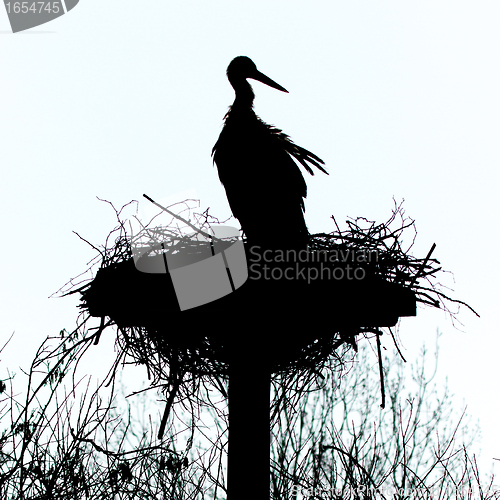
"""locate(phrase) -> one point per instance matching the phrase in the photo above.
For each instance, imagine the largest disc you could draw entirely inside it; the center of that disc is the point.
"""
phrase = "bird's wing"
(256, 170)
(302, 155)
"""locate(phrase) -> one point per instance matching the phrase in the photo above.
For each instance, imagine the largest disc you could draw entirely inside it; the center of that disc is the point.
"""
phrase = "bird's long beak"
(265, 79)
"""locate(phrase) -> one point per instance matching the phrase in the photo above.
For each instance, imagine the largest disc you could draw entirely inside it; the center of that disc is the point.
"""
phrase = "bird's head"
(242, 67)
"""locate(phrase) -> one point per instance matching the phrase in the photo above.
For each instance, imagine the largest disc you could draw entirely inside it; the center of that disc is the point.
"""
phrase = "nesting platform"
(322, 299)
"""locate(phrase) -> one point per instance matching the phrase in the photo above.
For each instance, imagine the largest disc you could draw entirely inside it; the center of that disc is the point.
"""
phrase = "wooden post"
(248, 466)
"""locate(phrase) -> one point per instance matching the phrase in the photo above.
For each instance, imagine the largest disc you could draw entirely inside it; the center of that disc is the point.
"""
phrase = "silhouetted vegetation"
(64, 440)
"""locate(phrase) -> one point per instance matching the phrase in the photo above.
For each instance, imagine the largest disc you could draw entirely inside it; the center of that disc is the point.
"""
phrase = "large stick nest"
(154, 332)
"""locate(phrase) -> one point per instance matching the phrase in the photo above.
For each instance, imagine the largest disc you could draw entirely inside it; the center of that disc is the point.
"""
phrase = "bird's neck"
(244, 94)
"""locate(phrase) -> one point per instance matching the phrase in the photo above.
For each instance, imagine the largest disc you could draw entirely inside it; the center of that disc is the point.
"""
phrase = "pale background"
(119, 98)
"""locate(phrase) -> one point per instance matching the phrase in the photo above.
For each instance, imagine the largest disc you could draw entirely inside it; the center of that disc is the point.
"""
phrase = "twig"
(196, 229)
(381, 369)
(423, 265)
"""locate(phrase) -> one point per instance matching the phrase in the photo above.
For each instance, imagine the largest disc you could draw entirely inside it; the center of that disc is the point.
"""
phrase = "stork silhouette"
(255, 161)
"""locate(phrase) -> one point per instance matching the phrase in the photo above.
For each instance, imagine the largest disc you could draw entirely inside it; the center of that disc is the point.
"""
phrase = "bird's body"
(255, 161)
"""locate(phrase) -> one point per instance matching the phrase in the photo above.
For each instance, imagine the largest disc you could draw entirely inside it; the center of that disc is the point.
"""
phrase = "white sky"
(120, 98)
